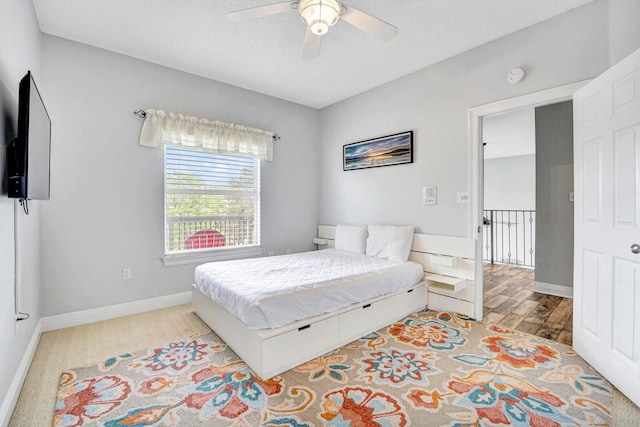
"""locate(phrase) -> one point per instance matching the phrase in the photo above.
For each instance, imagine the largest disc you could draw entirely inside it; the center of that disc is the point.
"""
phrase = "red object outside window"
(205, 239)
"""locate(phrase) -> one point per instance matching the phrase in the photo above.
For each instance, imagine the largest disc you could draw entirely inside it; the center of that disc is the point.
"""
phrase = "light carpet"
(430, 369)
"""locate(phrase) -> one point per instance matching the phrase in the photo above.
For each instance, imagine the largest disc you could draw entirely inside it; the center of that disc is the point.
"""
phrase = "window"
(212, 201)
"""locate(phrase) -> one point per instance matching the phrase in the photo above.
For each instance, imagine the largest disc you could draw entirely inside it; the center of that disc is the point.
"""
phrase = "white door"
(607, 225)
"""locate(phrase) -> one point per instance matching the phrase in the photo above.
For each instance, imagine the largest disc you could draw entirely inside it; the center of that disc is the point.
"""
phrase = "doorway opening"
(518, 296)
(528, 165)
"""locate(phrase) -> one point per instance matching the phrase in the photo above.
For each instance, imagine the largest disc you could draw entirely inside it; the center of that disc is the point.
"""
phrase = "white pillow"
(392, 242)
(351, 238)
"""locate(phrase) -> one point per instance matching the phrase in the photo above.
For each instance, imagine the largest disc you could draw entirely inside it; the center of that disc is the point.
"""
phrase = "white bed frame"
(273, 351)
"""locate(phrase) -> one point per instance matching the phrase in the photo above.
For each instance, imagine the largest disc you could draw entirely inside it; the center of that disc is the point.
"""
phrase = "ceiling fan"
(319, 15)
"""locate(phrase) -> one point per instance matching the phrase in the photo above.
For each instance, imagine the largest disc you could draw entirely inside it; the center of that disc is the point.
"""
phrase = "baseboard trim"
(552, 289)
(61, 321)
(10, 399)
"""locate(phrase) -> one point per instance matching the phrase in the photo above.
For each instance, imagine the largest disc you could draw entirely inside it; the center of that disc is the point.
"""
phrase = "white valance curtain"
(160, 128)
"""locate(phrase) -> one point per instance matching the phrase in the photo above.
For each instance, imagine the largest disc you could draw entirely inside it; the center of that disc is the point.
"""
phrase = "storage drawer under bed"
(270, 353)
(371, 317)
(298, 345)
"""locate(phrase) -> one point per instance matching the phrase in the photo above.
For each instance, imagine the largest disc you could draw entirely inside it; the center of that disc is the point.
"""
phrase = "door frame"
(537, 99)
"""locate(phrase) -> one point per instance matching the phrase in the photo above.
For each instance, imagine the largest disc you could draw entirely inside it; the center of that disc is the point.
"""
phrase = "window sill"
(209, 256)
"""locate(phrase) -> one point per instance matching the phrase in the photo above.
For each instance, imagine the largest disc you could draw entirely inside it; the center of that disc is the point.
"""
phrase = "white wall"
(106, 207)
(434, 102)
(508, 134)
(19, 51)
(624, 29)
(510, 183)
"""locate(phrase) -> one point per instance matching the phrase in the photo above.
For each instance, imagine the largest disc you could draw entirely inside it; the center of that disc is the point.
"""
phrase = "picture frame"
(396, 149)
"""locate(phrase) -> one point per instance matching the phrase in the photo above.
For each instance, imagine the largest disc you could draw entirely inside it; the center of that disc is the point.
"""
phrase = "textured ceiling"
(264, 55)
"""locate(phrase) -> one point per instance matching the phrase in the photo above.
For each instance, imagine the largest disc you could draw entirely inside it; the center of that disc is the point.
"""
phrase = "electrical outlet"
(288, 250)
(126, 274)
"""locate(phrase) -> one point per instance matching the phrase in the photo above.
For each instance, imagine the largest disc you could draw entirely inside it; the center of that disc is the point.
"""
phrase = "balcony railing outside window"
(509, 237)
(238, 230)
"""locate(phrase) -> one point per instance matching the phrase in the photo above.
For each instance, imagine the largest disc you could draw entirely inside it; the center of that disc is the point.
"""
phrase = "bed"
(271, 292)
(279, 312)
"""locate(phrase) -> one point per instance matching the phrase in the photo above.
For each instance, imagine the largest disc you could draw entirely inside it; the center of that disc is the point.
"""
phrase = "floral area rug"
(430, 369)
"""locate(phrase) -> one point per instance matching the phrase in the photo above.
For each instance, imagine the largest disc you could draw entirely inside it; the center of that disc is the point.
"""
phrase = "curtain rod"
(142, 115)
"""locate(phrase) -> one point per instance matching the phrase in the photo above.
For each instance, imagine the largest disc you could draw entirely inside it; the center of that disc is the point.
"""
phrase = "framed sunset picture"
(384, 151)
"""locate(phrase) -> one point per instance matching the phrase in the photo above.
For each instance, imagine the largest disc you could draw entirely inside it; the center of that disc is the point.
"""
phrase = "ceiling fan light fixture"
(319, 15)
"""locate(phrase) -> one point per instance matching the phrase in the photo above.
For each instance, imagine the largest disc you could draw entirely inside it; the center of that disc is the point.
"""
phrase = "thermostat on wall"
(515, 76)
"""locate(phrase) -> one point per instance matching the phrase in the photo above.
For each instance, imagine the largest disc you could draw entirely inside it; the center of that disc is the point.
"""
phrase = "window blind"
(212, 201)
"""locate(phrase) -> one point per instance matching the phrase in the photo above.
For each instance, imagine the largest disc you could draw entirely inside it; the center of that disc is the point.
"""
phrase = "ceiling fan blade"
(245, 15)
(311, 47)
(369, 24)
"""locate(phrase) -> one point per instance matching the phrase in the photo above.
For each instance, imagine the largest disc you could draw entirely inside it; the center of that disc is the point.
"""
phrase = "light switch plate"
(462, 197)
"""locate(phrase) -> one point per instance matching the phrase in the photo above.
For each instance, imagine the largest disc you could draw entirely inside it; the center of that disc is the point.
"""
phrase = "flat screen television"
(28, 155)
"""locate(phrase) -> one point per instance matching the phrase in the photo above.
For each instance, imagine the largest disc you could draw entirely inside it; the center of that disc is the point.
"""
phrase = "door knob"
(635, 248)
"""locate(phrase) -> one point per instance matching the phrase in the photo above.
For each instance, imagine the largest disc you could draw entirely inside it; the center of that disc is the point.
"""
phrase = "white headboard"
(448, 263)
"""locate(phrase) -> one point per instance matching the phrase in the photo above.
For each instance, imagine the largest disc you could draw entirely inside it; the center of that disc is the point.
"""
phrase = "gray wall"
(510, 183)
(106, 207)
(434, 103)
(554, 211)
(19, 52)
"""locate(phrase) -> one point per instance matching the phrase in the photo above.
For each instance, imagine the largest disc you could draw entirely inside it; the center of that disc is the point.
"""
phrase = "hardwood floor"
(510, 302)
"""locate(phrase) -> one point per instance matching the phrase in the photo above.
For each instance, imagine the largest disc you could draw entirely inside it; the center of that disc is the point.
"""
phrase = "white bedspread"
(269, 292)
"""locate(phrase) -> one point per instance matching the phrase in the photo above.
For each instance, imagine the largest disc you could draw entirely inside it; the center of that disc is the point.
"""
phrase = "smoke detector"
(515, 76)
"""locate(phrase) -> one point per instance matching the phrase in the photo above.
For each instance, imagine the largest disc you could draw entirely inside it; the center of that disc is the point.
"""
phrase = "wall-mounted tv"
(28, 155)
